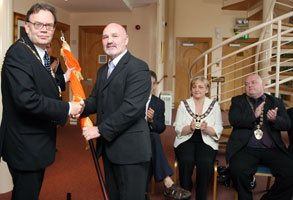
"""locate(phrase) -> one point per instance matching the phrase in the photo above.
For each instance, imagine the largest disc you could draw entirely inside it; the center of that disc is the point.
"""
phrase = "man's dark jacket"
(31, 109)
(119, 102)
(158, 124)
(242, 119)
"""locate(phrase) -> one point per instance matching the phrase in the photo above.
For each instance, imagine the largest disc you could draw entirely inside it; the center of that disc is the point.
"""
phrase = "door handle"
(88, 81)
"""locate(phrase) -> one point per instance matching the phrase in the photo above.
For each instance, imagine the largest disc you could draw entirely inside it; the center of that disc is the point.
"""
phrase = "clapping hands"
(259, 109)
(150, 115)
(272, 114)
(203, 125)
(55, 64)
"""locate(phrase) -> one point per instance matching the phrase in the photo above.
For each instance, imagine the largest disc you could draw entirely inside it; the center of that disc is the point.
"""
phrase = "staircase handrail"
(206, 53)
(250, 46)
(262, 34)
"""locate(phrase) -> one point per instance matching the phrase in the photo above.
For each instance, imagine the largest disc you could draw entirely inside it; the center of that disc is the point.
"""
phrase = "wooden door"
(228, 85)
(187, 50)
(91, 56)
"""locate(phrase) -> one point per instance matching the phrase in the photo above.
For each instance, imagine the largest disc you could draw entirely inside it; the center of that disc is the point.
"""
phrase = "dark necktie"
(47, 62)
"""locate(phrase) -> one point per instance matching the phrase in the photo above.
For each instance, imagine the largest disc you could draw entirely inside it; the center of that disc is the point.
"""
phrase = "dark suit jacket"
(31, 110)
(242, 119)
(59, 75)
(119, 102)
(158, 124)
(290, 132)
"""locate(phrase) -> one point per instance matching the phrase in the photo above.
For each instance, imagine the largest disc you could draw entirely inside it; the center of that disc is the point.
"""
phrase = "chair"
(215, 176)
(261, 171)
(264, 171)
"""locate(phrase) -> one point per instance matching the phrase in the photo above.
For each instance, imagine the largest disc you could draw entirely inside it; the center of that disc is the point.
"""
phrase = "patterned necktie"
(47, 62)
(111, 68)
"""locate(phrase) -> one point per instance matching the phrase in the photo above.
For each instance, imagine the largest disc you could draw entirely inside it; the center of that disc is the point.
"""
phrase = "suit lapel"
(266, 106)
(35, 53)
(248, 107)
(120, 66)
(152, 102)
(32, 47)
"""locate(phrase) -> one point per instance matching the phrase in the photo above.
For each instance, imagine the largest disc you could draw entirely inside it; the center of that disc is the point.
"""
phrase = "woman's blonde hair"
(199, 78)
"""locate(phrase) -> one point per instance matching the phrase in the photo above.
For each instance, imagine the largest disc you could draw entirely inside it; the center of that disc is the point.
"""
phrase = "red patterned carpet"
(74, 172)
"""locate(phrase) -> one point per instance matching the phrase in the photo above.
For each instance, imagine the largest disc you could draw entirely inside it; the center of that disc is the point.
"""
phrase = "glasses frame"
(40, 26)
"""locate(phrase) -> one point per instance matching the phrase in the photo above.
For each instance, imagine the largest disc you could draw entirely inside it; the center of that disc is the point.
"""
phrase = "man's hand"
(150, 115)
(54, 64)
(259, 109)
(90, 132)
(272, 114)
(76, 108)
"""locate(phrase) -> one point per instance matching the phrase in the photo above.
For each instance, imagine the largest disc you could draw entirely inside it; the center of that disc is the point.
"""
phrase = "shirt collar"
(118, 58)
(41, 53)
(259, 99)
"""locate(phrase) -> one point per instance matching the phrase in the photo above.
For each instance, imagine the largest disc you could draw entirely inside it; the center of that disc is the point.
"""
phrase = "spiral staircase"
(271, 55)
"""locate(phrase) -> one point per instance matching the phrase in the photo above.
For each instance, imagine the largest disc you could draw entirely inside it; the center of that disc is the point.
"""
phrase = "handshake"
(76, 108)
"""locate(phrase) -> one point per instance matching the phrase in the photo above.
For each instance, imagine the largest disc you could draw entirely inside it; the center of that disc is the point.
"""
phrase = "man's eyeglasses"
(39, 26)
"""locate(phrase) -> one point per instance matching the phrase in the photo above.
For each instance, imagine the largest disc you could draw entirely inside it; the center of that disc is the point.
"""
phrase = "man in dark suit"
(160, 167)
(257, 121)
(119, 98)
(31, 106)
(60, 77)
(290, 132)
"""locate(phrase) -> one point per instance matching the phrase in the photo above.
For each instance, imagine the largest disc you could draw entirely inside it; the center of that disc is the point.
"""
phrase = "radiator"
(167, 98)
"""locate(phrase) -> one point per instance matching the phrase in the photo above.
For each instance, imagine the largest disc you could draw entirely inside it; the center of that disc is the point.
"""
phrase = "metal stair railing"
(276, 38)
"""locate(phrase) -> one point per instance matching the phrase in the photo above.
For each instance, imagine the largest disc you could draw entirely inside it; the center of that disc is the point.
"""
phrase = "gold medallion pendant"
(197, 125)
(197, 122)
(198, 118)
(258, 134)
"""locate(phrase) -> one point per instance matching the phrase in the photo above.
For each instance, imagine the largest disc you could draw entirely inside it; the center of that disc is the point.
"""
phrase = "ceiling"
(74, 6)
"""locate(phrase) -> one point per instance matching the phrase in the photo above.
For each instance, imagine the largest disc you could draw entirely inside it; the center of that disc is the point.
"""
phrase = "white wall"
(200, 18)
(22, 7)
(5, 41)
(141, 42)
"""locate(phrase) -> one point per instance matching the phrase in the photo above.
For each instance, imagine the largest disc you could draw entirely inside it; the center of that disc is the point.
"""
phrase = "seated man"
(60, 77)
(257, 121)
(159, 163)
(290, 132)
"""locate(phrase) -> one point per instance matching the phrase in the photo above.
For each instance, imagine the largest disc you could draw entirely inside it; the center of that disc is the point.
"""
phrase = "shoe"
(176, 192)
(252, 184)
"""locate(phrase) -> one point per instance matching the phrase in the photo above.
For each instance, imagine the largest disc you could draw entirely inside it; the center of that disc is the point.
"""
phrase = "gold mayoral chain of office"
(197, 117)
(37, 56)
(258, 133)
